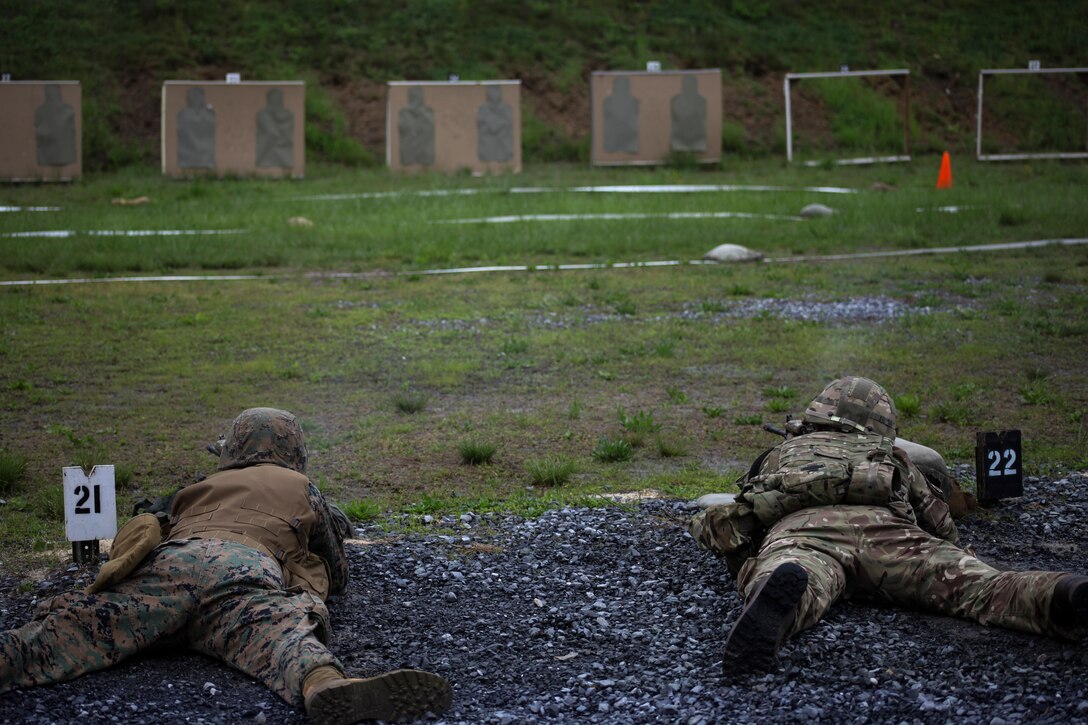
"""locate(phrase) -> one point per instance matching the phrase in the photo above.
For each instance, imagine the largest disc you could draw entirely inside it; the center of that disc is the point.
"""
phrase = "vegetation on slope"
(123, 51)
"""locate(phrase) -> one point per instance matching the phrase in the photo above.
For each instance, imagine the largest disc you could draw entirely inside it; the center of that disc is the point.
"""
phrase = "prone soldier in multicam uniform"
(238, 569)
(838, 511)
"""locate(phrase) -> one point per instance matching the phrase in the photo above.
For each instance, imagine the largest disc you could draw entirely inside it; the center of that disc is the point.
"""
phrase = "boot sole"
(754, 641)
(394, 696)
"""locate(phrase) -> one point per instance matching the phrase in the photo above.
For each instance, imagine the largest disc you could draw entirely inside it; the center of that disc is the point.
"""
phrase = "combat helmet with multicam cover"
(854, 404)
(264, 435)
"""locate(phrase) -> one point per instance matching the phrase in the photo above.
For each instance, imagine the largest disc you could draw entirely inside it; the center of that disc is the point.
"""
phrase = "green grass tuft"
(475, 453)
(637, 426)
(670, 448)
(908, 405)
(12, 471)
(361, 510)
(713, 411)
(612, 450)
(409, 402)
(551, 471)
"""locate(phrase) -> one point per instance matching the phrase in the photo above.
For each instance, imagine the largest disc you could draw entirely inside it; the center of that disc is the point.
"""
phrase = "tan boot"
(332, 699)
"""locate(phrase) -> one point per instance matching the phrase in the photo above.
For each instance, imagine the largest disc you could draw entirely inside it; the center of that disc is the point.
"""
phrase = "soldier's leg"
(823, 543)
(247, 620)
(904, 565)
(76, 633)
(799, 573)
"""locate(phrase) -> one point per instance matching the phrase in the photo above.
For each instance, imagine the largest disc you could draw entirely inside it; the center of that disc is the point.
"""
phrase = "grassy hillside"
(123, 51)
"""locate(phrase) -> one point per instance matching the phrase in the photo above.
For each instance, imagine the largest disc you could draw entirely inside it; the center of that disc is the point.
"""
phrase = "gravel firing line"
(613, 615)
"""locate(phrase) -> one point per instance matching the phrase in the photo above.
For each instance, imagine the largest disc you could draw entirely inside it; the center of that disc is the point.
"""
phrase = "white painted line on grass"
(29, 208)
(547, 267)
(944, 209)
(617, 217)
(67, 233)
(172, 278)
(621, 189)
(933, 250)
(702, 188)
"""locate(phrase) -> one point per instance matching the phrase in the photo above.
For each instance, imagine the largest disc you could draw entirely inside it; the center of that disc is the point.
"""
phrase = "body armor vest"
(825, 468)
(266, 507)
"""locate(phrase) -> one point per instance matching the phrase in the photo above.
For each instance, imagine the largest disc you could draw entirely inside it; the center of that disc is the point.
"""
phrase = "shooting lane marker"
(90, 510)
(29, 208)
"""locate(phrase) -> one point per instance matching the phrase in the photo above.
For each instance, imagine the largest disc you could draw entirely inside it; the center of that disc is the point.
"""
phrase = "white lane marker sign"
(90, 509)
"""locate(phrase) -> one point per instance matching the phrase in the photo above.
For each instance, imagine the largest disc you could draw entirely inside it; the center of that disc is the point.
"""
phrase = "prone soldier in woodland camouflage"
(839, 511)
(238, 570)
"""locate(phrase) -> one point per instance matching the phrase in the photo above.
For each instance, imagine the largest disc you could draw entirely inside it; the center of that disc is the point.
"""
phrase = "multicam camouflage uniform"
(863, 523)
(252, 552)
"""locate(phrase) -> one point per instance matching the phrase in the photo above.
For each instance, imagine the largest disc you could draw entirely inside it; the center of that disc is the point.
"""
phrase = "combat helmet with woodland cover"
(264, 435)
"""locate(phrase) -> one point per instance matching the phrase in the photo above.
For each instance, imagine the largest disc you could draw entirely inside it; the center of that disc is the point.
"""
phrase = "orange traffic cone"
(944, 178)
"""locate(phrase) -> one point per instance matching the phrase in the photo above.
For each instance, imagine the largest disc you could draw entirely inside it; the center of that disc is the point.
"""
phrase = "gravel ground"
(613, 615)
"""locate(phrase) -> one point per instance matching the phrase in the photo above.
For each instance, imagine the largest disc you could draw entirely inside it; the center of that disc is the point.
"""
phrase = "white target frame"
(1033, 69)
(853, 74)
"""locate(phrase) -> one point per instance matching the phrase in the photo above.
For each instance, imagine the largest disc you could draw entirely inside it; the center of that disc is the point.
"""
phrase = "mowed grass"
(541, 365)
(405, 225)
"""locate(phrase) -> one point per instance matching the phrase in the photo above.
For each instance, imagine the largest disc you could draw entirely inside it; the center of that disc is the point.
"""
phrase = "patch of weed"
(550, 471)
(1036, 392)
(638, 425)
(428, 503)
(361, 510)
(515, 346)
(781, 391)
(1035, 373)
(612, 450)
(676, 395)
(749, 419)
(778, 405)
(409, 402)
(908, 405)
(475, 453)
(12, 471)
(956, 412)
(670, 448)
(713, 411)
(49, 503)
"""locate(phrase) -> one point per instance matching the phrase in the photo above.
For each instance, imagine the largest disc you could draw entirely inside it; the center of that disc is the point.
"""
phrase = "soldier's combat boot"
(1069, 604)
(332, 699)
(754, 641)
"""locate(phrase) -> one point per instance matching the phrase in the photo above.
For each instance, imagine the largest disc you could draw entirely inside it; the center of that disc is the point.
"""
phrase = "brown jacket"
(266, 507)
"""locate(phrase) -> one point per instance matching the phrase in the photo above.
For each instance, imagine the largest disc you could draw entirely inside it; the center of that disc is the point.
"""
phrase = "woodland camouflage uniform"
(247, 558)
(840, 512)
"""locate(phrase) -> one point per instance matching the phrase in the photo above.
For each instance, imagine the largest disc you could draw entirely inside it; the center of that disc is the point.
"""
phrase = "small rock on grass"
(732, 253)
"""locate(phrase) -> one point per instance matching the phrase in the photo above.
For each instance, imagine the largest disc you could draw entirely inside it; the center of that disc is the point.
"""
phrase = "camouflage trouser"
(867, 553)
(219, 598)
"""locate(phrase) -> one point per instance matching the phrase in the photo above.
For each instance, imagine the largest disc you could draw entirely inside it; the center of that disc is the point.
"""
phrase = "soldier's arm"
(327, 540)
(929, 508)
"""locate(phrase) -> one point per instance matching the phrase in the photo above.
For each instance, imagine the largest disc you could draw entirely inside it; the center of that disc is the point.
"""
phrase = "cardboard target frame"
(654, 90)
(455, 139)
(19, 154)
(236, 106)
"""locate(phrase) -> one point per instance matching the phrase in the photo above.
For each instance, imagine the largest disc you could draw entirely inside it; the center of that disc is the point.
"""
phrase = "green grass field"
(396, 373)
